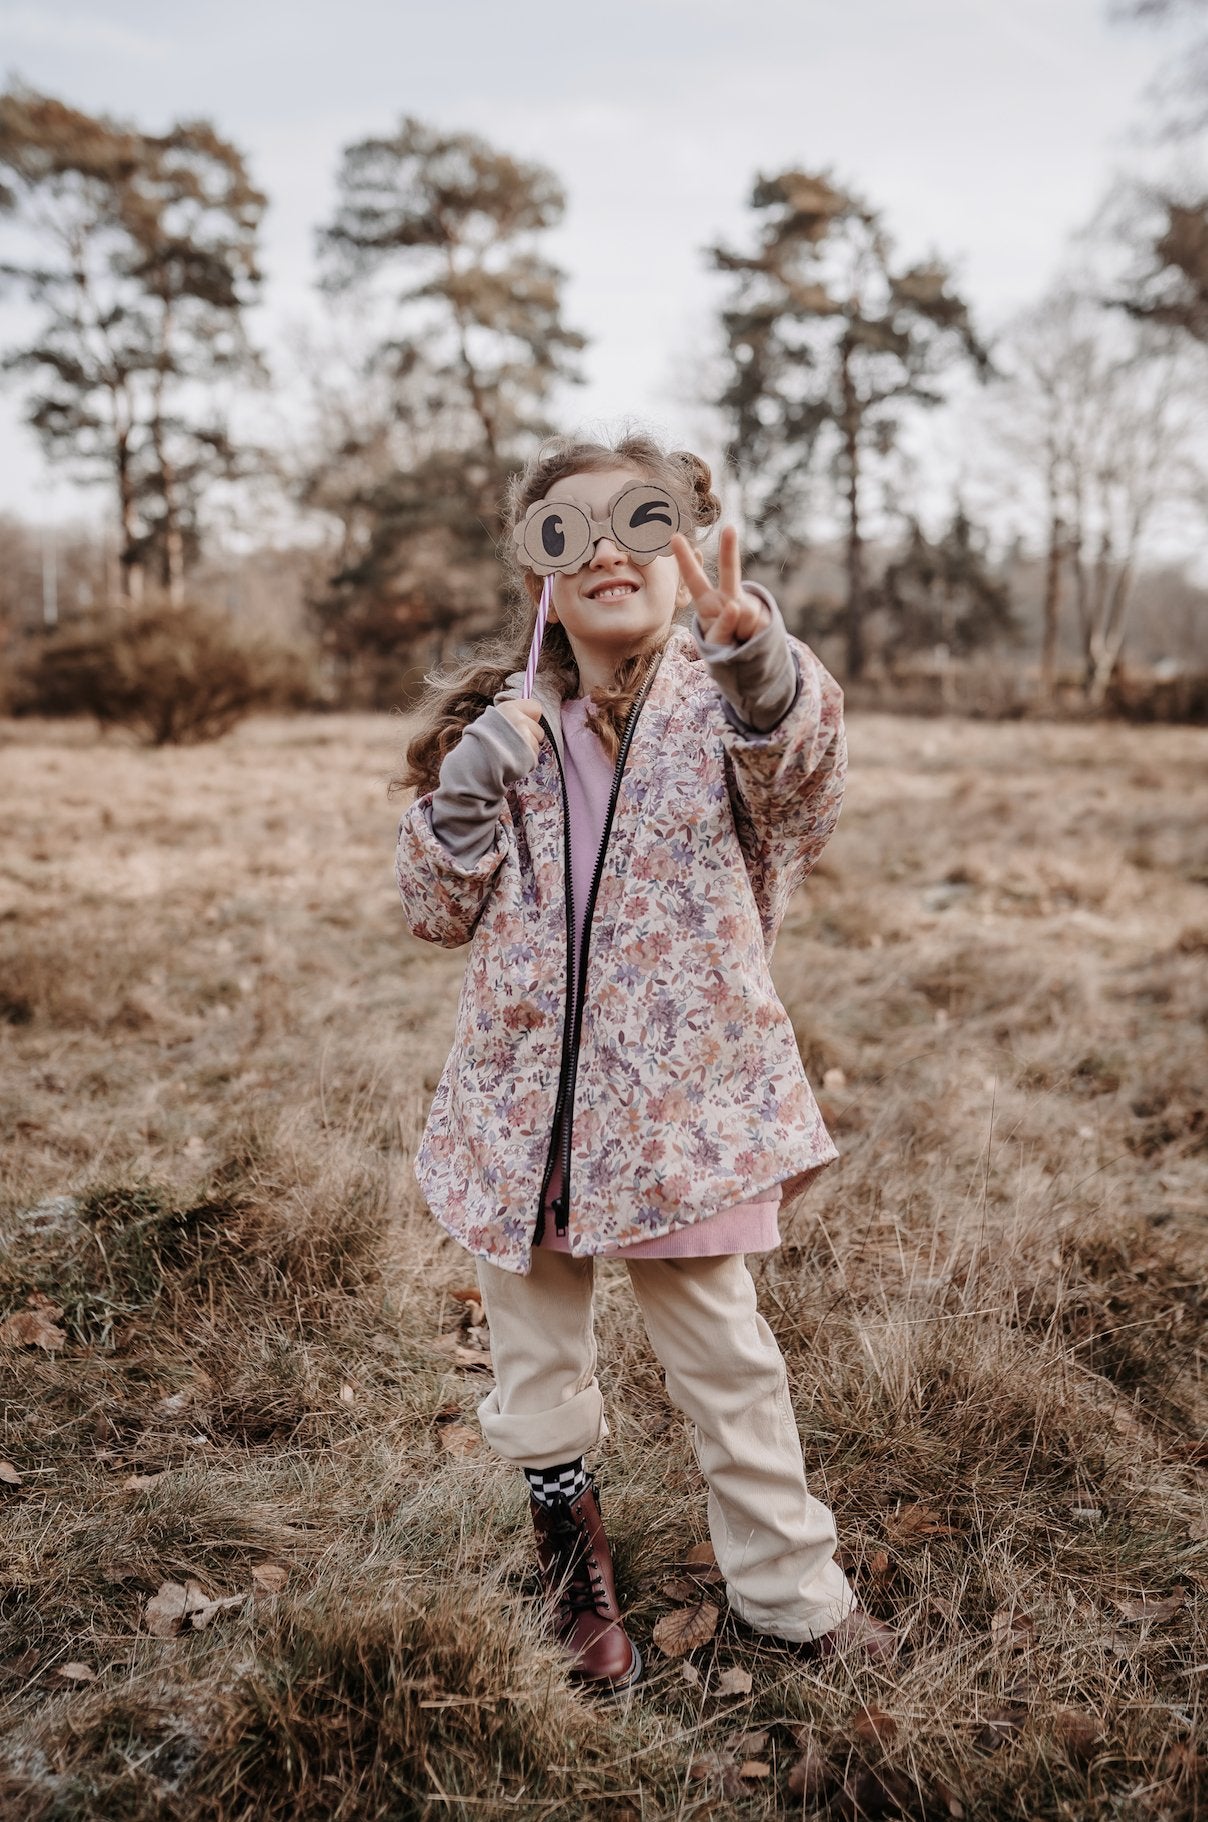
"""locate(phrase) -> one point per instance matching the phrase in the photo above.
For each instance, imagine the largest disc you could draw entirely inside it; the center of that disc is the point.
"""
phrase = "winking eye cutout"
(556, 537)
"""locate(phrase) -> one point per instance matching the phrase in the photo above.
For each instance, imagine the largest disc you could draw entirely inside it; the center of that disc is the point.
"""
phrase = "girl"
(619, 850)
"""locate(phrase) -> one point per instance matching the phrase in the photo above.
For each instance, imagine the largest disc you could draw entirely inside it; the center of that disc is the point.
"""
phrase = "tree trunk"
(1052, 606)
(173, 568)
(856, 653)
(130, 565)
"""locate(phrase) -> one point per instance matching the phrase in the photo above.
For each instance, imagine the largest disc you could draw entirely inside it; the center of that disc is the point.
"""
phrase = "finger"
(729, 564)
(690, 566)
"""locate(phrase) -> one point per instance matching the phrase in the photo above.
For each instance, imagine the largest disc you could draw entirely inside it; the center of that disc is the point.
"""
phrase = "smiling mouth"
(616, 591)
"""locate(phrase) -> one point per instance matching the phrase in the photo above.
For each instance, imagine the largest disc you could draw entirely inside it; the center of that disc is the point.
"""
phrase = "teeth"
(614, 594)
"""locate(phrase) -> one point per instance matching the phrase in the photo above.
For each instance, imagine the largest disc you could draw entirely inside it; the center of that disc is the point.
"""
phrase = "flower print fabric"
(691, 1095)
(748, 1227)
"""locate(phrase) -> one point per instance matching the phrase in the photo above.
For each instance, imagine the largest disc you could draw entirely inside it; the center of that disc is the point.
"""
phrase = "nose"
(605, 553)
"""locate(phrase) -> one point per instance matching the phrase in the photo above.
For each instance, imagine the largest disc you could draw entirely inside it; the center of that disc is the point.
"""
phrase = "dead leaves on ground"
(456, 1438)
(1143, 1608)
(178, 1607)
(695, 1622)
(738, 1761)
(684, 1628)
(1012, 1630)
(469, 1344)
(36, 1326)
(918, 1519)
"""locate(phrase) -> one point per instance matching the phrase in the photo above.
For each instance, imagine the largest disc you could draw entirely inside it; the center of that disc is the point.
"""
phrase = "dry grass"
(220, 1042)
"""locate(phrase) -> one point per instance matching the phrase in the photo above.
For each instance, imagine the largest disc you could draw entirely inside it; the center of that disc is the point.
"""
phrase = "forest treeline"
(136, 257)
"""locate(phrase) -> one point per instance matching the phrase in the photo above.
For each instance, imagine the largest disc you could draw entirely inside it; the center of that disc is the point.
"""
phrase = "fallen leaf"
(754, 1768)
(685, 1628)
(458, 1439)
(917, 1519)
(719, 1765)
(347, 1394)
(1145, 1609)
(1077, 1731)
(201, 1616)
(702, 1561)
(811, 1776)
(466, 1357)
(77, 1673)
(169, 1607)
(998, 1724)
(1012, 1630)
(679, 1588)
(270, 1578)
(747, 1745)
(733, 1682)
(473, 1302)
(35, 1327)
(878, 1565)
(135, 1483)
(690, 1674)
(9, 1475)
(873, 1724)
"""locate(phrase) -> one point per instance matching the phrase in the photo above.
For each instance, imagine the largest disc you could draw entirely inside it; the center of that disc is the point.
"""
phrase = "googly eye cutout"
(553, 536)
(644, 519)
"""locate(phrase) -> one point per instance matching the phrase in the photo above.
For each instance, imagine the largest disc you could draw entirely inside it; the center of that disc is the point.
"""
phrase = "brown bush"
(175, 676)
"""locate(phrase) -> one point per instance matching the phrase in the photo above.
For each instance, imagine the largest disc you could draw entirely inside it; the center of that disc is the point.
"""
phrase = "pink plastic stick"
(547, 590)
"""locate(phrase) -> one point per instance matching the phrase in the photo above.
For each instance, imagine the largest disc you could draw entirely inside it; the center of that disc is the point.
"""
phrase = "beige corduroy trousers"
(774, 1542)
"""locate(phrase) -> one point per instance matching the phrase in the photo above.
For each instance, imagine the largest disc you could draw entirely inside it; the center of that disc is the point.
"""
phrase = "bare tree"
(1179, 95)
(1099, 413)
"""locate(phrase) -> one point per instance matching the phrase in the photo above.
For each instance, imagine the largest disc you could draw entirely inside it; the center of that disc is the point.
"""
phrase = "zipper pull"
(560, 1217)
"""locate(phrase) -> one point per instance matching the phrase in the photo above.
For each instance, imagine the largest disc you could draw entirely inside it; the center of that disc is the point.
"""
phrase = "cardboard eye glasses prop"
(556, 537)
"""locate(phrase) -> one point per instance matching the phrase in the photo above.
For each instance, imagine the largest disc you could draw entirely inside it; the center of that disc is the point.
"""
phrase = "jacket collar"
(680, 646)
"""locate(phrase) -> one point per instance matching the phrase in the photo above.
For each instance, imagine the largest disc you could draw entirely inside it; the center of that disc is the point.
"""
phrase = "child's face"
(612, 605)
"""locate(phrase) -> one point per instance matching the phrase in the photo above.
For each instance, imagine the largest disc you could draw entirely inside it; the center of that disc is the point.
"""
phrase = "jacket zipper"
(573, 1021)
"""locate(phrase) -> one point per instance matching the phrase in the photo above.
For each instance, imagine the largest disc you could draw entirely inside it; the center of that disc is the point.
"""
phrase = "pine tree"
(828, 342)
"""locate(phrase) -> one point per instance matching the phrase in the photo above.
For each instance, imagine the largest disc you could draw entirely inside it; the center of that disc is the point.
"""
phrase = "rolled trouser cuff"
(835, 1600)
(534, 1439)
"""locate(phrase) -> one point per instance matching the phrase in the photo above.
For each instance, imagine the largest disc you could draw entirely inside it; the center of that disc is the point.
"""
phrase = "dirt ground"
(219, 1043)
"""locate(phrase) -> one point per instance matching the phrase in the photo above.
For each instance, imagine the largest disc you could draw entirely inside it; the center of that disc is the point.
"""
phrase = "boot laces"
(580, 1578)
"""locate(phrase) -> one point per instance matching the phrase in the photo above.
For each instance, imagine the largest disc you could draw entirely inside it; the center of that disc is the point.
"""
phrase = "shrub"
(175, 676)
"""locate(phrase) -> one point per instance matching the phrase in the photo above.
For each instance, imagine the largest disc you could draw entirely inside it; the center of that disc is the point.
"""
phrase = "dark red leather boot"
(576, 1570)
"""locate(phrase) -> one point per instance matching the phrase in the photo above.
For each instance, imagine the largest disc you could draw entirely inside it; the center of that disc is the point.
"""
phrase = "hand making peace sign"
(727, 614)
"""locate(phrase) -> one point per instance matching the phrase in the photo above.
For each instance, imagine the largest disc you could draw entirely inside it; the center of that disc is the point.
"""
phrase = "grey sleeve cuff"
(469, 800)
(758, 678)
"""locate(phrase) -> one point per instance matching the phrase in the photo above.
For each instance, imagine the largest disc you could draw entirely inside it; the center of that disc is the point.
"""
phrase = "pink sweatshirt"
(746, 1227)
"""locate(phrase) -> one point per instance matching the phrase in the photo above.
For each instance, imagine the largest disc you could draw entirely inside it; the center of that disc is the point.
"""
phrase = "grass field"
(234, 1361)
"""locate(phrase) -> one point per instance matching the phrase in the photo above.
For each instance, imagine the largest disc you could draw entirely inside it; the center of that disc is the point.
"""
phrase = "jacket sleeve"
(453, 839)
(786, 775)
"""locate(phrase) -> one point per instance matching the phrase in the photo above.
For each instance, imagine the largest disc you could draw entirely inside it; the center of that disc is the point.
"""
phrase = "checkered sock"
(568, 1478)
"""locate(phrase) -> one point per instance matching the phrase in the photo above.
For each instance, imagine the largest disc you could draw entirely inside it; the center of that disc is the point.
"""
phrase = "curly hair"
(460, 692)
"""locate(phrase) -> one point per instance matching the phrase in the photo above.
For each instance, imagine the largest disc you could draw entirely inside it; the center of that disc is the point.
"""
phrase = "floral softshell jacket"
(690, 1092)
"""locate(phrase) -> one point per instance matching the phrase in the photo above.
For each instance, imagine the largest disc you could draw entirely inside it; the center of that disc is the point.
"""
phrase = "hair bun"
(705, 503)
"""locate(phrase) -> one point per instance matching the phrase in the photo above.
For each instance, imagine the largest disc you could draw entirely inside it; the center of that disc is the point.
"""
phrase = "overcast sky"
(985, 131)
